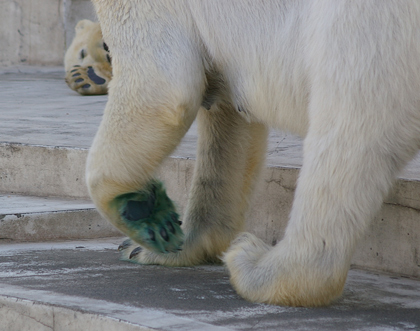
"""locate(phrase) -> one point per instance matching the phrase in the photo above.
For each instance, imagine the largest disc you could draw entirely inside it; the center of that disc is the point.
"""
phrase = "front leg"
(136, 133)
(154, 95)
(120, 175)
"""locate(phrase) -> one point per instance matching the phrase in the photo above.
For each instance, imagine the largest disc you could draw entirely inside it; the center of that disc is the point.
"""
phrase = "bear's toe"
(94, 77)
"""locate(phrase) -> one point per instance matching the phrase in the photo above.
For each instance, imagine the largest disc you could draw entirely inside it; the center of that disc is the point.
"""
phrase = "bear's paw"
(151, 220)
(90, 80)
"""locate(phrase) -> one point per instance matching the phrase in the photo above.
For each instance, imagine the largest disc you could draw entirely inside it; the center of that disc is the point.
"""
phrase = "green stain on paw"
(150, 218)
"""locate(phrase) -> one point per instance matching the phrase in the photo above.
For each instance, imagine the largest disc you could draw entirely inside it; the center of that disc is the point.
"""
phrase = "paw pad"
(150, 219)
(87, 80)
(94, 77)
(136, 210)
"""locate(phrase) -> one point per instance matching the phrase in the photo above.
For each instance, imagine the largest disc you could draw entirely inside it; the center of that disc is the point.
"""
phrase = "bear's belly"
(261, 60)
(274, 102)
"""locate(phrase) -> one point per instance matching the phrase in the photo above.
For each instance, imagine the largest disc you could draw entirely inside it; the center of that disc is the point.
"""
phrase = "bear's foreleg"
(132, 140)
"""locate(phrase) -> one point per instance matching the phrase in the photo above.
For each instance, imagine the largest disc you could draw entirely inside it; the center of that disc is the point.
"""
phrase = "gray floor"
(90, 270)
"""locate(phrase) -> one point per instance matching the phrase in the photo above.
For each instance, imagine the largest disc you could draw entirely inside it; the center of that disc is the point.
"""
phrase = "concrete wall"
(74, 11)
(37, 32)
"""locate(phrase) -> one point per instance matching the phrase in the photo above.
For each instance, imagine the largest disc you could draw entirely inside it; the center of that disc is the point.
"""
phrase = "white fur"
(343, 74)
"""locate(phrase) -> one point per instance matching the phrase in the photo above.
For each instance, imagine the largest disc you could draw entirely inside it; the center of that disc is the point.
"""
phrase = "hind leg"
(338, 193)
(351, 156)
(364, 126)
(229, 157)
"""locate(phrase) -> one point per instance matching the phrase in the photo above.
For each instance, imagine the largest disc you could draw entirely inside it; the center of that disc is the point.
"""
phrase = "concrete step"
(43, 170)
(29, 218)
(82, 285)
(391, 244)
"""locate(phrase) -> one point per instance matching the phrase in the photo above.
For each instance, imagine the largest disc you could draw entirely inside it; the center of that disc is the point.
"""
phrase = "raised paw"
(90, 80)
(150, 219)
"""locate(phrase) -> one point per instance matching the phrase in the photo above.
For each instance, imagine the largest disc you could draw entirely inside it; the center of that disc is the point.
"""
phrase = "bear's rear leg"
(341, 186)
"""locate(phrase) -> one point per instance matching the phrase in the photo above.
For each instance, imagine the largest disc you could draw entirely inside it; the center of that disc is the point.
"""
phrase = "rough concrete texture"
(29, 218)
(391, 244)
(32, 32)
(43, 171)
(38, 32)
(88, 278)
(18, 315)
(74, 11)
(39, 108)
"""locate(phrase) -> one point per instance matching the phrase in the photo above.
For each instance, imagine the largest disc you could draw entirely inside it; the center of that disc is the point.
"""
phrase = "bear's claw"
(151, 220)
(136, 251)
(125, 244)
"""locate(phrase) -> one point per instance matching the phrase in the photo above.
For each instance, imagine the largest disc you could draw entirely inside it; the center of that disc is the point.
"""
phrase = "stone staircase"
(47, 219)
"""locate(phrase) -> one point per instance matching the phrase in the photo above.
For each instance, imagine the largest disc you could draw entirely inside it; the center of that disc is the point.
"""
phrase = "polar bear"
(87, 61)
(345, 75)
